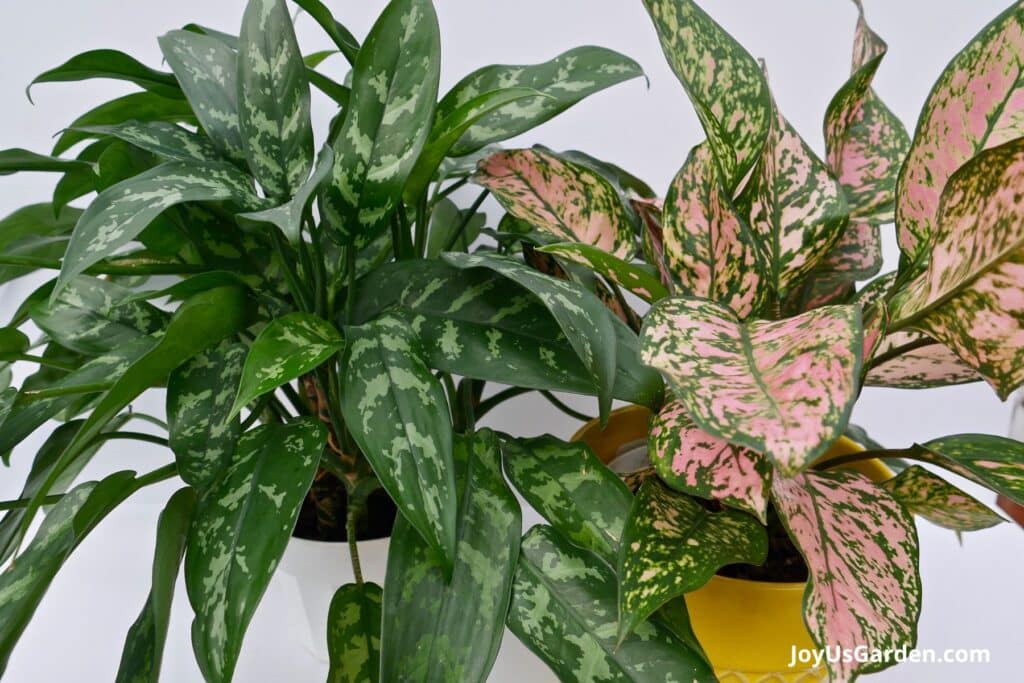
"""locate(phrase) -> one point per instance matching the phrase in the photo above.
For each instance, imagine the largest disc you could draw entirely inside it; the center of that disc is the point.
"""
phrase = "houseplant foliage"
(752, 261)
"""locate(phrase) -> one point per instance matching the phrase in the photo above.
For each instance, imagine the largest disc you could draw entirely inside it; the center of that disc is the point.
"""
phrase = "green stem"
(889, 355)
(40, 360)
(141, 267)
(564, 408)
(470, 212)
(492, 402)
(297, 290)
(449, 190)
(131, 436)
(155, 477)
(55, 392)
(422, 227)
(300, 405)
(143, 417)
(468, 410)
(861, 456)
(256, 413)
(350, 292)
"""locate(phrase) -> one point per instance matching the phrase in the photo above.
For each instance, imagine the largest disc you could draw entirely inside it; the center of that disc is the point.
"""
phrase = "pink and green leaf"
(638, 279)
(692, 461)
(560, 197)
(976, 104)
(783, 388)
(910, 360)
(707, 243)
(970, 296)
(861, 551)
(995, 462)
(932, 497)
(724, 82)
(673, 545)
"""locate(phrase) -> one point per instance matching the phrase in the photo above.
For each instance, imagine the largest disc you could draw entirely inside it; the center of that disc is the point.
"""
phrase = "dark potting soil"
(322, 517)
(784, 563)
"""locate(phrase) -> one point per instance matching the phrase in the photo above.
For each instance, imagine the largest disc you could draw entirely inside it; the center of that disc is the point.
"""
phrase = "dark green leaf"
(13, 342)
(144, 645)
(80, 181)
(397, 413)
(21, 160)
(36, 231)
(636, 278)
(429, 634)
(142, 106)
(288, 217)
(240, 531)
(110, 64)
(167, 140)
(341, 36)
(353, 634)
(445, 221)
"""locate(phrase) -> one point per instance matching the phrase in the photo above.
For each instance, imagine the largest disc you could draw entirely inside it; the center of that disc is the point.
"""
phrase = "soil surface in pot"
(322, 517)
(784, 563)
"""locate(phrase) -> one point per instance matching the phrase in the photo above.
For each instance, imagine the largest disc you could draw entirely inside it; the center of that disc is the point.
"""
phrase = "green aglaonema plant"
(751, 262)
(324, 332)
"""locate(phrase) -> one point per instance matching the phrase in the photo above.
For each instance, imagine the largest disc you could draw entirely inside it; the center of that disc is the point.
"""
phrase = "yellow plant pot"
(747, 628)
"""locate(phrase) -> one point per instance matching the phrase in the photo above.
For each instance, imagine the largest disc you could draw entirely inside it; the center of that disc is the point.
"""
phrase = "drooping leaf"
(120, 213)
(784, 388)
(353, 634)
(636, 278)
(995, 462)
(932, 497)
(562, 82)
(289, 216)
(724, 82)
(560, 197)
(975, 105)
(13, 342)
(110, 64)
(428, 633)
(446, 221)
(144, 645)
(673, 545)
(22, 160)
(582, 317)
(241, 527)
(692, 461)
(573, 490)
(910, 360)
(201, 431)
(968, 298)
(861, 551)
(394, 92)
(707, 244)
(342, 37)
(167, 140)
(397, 413)
(143, 106)
(207, 71)
(273, 99)
(564, 609)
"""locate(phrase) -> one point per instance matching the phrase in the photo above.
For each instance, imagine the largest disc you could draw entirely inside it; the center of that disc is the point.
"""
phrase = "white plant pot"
(320, 568)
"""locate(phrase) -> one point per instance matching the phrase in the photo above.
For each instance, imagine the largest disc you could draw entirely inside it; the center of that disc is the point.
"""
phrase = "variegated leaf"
(394, 92)
(428, 633)
(22, 160)
(559, 197)
(673, 545)
(994, 462)
(201, 430)
(112, 64)
(638, 279)
(141, 106)
(37, 230)
(397, 413)
(239, 533)
(123, 211)
(353, 634)
(566, 483)
(969, 297)
(273, 99)
(938, 501)
(561, 82)
(583, 318)
(286, 349)
(289, 216)
(707, 243)
(564, 609)
(207, 71)
(724, 82)
(783, 388)
(910, 360)
(856, 256)
(692, 461)
(861, 551)
(167, 140)
(144, 645)
(976, 104)
(797, 209)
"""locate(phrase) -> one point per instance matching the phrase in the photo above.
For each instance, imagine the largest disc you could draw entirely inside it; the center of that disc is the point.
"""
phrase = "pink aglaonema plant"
(763, 333)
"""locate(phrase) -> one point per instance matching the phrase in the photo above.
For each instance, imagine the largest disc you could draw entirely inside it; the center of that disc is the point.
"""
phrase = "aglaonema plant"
(322, 328)
(752, 262)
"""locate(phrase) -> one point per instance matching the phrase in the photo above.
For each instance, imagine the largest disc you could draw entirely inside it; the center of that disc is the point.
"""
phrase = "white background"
(972, 592)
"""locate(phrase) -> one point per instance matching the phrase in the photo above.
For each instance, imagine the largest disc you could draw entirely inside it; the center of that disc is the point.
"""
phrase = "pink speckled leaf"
(977, 103)
(692, 461)
(784, 388)
(861, 550)
(708, 244)
(910, 360)
(932, 497)
(558, 196)
(995, 462)
(970, 297)
(797, 209)
(724, 82)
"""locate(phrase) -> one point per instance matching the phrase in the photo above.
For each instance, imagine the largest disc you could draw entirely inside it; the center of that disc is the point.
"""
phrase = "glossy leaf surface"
(932, 497)
(353, 634)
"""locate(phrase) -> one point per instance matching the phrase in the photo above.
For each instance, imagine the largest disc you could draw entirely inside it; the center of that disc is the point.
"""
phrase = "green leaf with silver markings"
(428, 633)
(353, 634)
(111, 64)
(398, 414)
(273, 99)
(167, 140)
(289, 216)
(932, 497)
(394, 91)
(564, 609)
(342, 37)
(286, 349)
(241, 527)
(673, 545)
(142, 106)
(144, 644)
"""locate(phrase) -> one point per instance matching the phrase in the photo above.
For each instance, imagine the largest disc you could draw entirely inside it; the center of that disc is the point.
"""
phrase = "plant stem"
(40, 360)
(55, 392)
(422, 227)
(296, 288)
(861, 456)
(155, 477)
(492, 402)
(461, 182)
(131, 436)
(470, 212)
(141, 267)
(468, 411)
(256, 412)
(564, 408)
(900, 350)
(300, 405)
(350, 291)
